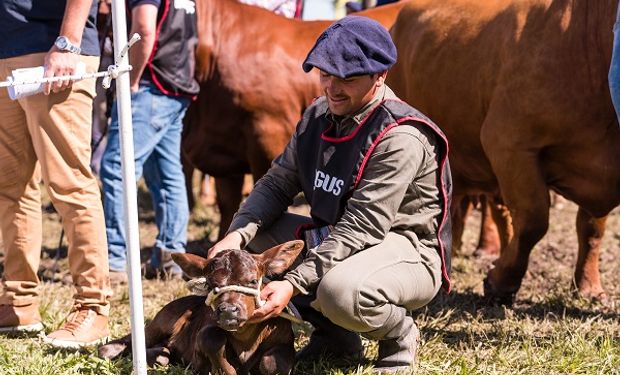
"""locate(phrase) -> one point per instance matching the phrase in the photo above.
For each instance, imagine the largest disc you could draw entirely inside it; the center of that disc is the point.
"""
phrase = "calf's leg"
(278, 360)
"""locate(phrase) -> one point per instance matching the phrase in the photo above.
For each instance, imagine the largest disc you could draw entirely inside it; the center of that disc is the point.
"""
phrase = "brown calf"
(210, 333)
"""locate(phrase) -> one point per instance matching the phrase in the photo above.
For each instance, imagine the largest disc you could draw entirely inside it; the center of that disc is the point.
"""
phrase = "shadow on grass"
(463, 305)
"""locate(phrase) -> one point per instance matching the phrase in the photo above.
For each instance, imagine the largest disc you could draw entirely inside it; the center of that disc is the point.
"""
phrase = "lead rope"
(111, 73)
(198, 286)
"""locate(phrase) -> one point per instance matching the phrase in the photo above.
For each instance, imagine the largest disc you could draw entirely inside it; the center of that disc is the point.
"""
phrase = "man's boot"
(327, 339)
(397, 353)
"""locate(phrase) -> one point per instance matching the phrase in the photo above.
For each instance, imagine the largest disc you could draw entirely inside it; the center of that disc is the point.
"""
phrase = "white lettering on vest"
(327, 183)
(188, 5)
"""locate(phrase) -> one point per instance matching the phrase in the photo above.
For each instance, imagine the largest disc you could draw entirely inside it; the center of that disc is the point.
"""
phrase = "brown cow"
(253, 91)
(209, 331)
(520, 89)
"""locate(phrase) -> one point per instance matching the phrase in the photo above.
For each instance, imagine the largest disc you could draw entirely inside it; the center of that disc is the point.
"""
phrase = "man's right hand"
(233, 240)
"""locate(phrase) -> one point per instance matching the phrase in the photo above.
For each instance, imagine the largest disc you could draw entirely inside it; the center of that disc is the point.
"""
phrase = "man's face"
(346, 96)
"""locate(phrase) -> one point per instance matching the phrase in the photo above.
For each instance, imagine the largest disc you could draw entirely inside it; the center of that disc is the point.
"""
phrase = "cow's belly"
(588, 176)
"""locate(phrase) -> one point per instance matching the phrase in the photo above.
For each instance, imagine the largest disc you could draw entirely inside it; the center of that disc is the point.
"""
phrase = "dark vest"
(330, 168)
(172, 62)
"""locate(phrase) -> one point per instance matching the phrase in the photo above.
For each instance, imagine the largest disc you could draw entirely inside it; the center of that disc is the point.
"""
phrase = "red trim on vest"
(353, 134)
(298, 9)
(149, 63)
(441, 169)
(301, 228)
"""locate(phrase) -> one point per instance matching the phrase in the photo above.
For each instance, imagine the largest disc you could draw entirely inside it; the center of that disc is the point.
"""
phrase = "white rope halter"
(198, 286)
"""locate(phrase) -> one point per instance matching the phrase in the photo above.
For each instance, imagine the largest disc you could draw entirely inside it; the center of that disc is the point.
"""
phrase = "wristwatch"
(63, 44)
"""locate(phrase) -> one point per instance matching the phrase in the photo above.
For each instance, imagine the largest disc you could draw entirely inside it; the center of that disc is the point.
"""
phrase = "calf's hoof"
(112, 350)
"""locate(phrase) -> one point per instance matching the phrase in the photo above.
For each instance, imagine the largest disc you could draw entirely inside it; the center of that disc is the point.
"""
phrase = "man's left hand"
(277, 295)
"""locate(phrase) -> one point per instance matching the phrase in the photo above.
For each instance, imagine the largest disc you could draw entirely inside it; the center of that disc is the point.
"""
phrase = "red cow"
(520, 89)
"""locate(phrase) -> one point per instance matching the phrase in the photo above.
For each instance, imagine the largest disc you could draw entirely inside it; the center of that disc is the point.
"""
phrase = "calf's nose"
(228, 308)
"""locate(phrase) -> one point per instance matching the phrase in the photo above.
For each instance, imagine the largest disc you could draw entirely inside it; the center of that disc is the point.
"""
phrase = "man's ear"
(279, 258)
(381, 78)
(192, 265)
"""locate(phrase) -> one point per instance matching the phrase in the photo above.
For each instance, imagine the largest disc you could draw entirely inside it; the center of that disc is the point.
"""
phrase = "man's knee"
(337, 299)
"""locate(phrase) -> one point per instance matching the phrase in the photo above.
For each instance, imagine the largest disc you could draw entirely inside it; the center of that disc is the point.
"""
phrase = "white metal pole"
(123, 101)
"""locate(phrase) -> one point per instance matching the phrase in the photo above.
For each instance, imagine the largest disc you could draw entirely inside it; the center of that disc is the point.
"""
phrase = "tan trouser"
(48, 137)
(372, 291)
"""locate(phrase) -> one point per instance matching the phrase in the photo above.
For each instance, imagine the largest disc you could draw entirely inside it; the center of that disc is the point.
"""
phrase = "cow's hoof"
(111, 351)
(595, 296)
(497, 297)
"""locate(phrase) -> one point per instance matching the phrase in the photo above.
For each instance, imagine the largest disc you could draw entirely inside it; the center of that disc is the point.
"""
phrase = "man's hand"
(233, 240)
(277, 295)
(59, 63)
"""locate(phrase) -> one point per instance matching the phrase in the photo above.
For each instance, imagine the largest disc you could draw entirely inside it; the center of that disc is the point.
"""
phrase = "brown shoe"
(15, 319)
(82, 327)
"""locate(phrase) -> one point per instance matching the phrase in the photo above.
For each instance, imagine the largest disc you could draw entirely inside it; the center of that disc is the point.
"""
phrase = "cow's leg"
(228, 199)
(188, 171)
(158, 355)
(278, 360)
(526, 194)
(489, 241)
(461, 208)
(590, 232)
(153, 336)
(211, 350)
(503, 223)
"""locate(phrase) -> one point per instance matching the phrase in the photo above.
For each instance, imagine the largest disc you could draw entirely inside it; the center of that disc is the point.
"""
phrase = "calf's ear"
(192, 265)
(279, 258)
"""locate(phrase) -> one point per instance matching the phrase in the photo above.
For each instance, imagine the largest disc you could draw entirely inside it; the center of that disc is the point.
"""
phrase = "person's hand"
(233, 240)
(59, 63)
(277, 295)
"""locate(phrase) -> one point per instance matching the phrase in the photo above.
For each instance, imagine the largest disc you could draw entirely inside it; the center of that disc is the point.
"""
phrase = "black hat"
(352, 46)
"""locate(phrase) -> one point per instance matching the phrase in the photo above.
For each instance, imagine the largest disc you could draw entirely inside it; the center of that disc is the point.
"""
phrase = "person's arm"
(371, 210)
(59, 62)
(143, 22)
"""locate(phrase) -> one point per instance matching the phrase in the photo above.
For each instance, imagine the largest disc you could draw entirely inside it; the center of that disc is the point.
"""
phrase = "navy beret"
(352, 46)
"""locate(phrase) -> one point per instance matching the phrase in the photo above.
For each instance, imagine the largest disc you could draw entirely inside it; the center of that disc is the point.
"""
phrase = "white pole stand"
(123, 100)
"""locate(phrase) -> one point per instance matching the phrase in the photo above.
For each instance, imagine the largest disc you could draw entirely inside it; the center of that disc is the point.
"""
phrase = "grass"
(547, 331)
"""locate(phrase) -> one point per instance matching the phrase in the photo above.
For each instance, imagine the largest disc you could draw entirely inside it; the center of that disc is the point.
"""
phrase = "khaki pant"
(48, 137)
(372, 291)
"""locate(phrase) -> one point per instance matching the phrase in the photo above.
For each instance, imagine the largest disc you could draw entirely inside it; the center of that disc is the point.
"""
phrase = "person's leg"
(20, 215)
(164, 176)
(327, 339)
(372, 292)
(614, 68)
(60, 127)
(145, 137)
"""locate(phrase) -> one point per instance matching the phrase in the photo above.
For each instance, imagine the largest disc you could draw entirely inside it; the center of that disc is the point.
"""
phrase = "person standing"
(375, 173)
(47, 136)
(162, 85)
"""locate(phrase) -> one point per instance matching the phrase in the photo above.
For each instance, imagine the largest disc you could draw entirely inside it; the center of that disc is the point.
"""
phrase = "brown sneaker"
(82, 327)
(14, 319)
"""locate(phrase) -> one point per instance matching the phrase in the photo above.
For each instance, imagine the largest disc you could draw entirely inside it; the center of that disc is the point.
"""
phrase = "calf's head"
(232, 279)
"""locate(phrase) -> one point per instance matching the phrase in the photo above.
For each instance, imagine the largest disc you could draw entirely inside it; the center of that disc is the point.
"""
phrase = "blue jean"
(157, 127)
(614, 69)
